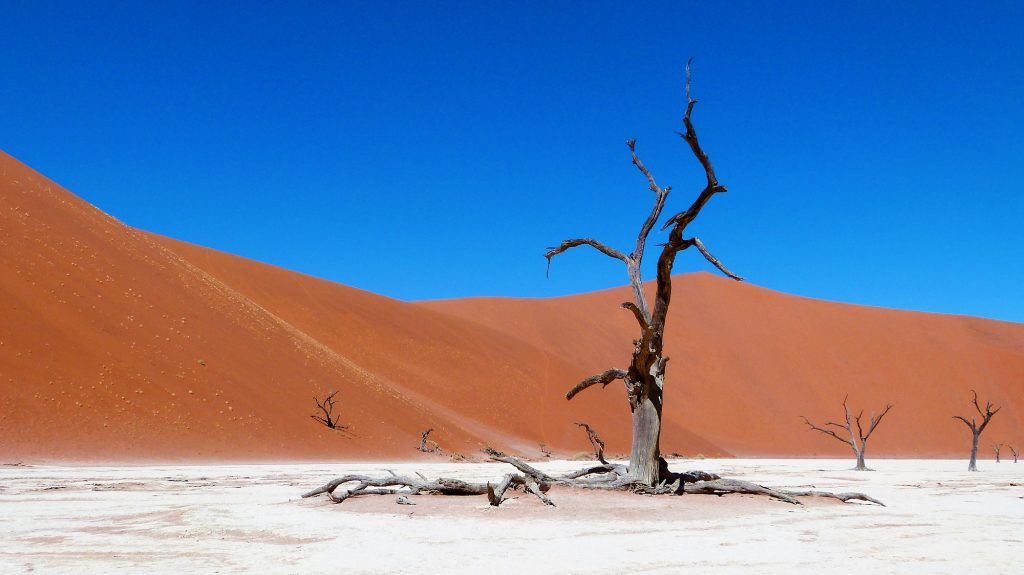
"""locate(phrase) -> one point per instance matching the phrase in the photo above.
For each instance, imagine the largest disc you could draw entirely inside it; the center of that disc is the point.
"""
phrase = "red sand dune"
(121, 345)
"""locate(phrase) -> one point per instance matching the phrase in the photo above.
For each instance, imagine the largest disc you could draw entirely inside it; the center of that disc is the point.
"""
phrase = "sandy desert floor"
(250, 519)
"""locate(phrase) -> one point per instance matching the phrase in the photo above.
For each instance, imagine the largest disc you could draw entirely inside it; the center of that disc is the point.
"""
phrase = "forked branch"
(661, 194)
(683, 219)
(986, 415)
(825, 431)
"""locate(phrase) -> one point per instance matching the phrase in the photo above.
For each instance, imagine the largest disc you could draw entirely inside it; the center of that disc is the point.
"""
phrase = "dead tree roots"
(529, 479)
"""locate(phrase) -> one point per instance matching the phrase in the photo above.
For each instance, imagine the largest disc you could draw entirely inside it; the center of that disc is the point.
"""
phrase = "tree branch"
(826, 431)
(520, 465)
(638, 314)
(595, 441)
(604, 378)
(969, 424)
(986, 416)
(678, 223)
(975, 401)
(659, 203)
(875, 422)
(711, 258)
(683, 219)
(568, 244)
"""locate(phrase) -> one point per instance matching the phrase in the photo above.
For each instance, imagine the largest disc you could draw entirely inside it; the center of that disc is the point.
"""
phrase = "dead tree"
(423, 442)
(976, 428)
(1013, 452)
(858, 440)
(997, 447)
(595, 441)
(644, 380)
(327, 407)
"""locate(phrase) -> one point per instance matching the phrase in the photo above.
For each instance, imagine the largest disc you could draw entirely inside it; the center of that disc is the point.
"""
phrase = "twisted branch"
(603, 378)
(569, 244)
(595, 441)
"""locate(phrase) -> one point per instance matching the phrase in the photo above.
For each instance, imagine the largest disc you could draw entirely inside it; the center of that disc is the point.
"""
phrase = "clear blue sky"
(874, 153)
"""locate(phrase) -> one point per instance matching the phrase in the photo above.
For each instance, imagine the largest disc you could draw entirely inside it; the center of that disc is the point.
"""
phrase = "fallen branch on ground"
(606, 476)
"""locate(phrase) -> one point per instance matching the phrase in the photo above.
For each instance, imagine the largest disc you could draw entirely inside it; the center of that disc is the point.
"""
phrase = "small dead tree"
(858, 439)
(976, 428)
(423, 442)
(327, 407)
(1013, 452)
(595, 441)
(997, 447)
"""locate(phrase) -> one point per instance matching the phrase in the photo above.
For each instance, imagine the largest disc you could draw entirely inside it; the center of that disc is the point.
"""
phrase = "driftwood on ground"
(606, 476)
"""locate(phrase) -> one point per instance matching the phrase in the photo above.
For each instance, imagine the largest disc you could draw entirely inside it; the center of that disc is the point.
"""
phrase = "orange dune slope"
(119, 345)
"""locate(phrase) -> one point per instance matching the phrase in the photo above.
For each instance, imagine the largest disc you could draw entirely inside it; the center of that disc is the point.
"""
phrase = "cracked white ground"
(250, 519)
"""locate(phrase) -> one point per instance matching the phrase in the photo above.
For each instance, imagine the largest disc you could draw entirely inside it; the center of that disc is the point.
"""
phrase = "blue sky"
(873, 152)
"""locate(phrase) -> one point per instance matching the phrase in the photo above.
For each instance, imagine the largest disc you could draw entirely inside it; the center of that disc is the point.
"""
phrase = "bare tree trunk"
(973, 465)
(645, 452)
(860, 461)
(997, 447)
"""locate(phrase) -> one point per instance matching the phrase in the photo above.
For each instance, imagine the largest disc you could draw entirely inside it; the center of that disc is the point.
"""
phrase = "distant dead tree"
(997, 447)
(976, 428)
(423, 442)
(595, 441)
(858, 440)
(545, 450)
(327, 407)
(1013, 452)
(644, 379)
